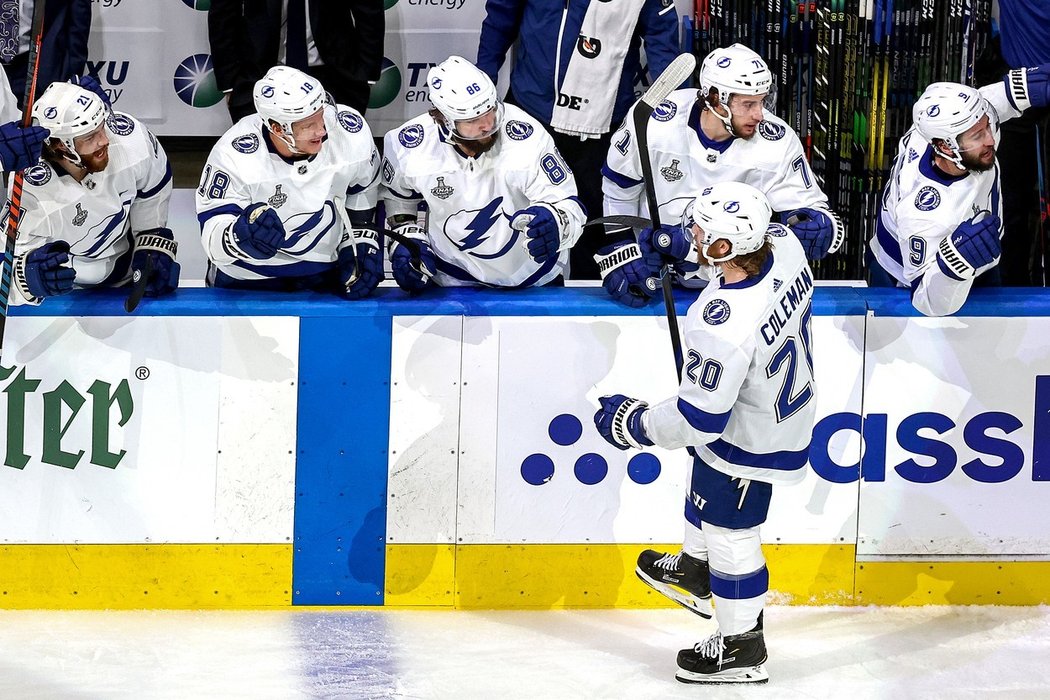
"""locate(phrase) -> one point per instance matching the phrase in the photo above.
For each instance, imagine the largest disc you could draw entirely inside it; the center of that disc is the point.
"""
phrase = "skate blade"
(700, 606)
(751, 674)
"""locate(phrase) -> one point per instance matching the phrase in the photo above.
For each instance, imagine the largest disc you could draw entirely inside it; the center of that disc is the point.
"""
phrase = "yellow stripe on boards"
(136, 576)
(420, 574)
(953, 583)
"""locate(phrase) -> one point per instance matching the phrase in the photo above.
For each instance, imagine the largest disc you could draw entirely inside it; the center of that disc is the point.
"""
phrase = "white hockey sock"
(695, 542)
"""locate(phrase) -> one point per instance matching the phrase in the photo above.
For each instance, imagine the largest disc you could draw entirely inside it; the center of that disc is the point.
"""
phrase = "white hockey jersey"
(471, 200)
(921, 206)
(244, 167)
(685, 160)
(98, 215)
(747, 398)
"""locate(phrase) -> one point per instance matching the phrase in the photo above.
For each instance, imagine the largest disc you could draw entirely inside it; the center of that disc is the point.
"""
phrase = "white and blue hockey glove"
(542, 232)
(159, 244)
(629, 275)
(619, 421)
(972, 245)
(20, 148)
(673, 243)
(44, 272)
(412, 274)
(360, 262)
(91, 84)
(1029, 87)
(818, 231)
(258, 232)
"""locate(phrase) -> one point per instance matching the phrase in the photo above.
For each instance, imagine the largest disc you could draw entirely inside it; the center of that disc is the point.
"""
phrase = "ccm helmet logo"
(731, 207)
(933, 111)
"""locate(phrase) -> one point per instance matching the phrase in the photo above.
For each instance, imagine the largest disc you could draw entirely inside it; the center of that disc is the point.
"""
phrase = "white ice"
(850, 653)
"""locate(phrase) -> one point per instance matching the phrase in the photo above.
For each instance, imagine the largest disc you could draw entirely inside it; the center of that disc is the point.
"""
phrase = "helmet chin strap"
(727, 122)
(286, 138)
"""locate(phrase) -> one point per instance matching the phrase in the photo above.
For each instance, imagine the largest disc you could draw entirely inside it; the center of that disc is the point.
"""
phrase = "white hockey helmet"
(286, 95)
(735, 70)
(461, 91)
(69, 111)
(734, 211)
(945, 111)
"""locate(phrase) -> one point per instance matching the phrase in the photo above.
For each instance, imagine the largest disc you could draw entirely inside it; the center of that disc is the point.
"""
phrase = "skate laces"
(712, 647)
(669, 561)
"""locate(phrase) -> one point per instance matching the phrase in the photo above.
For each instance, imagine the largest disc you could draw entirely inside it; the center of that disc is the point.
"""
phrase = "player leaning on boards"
(503, 210)
(940, 222)
(721, 132)
(287, 198)
(95, 208)
(745, 407)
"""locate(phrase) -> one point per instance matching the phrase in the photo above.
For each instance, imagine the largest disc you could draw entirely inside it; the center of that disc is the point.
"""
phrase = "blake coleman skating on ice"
(95, 207)
(287, 198)
(719, 133)
(745, 407)
(940, 222)
(503, 210)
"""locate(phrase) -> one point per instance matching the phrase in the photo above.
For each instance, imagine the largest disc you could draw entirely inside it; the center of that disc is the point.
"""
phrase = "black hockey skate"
(680, 577)
(735, 659)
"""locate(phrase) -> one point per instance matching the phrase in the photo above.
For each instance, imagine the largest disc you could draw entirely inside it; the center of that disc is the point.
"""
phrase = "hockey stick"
(673, 76)
(15, 210)
(139, 281)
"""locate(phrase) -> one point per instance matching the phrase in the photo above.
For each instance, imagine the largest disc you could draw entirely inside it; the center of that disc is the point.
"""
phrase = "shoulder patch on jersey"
(716, 312)
(350, 121)
(120, 124)
(519, 131)
(38, 174)
(777, 230)
(927, 199)
(388, 171)
(411, 136)
(246, 143)
(771, 131)
(665, 111)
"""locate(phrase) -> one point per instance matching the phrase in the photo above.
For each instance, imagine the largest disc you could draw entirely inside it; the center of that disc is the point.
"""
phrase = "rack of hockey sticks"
(847, 74)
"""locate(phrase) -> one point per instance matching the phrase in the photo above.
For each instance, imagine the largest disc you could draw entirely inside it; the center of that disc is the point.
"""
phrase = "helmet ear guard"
(462, 92)
(69, 112)
(733, 211)
(285, 96)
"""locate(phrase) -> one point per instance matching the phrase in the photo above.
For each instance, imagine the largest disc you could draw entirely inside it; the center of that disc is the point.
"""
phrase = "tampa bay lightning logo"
(519, 131)
(731, 207)
(436, 83)
(350, 121)
(777, 230)
(306, 230)
(481, 233)
(927, 199)
(267, 91)
(933, 110)
(38, 174)
(770, 131)
(724, 62)
(411, 136)
(247, 143)
(665, 111)
(120, 124)
(51, 112)
(716, 312)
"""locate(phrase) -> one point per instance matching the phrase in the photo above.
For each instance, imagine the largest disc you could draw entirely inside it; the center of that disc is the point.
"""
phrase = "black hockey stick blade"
(625, 220)
(139, 281)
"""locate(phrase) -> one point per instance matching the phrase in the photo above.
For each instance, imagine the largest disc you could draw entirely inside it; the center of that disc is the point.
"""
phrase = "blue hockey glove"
(543, 236)
(44, 272)
(258, 231)
(90, 82)
(159, 244)
(361, 263)
(1029, 87)
(628, 275)
(619, 421)
(20, 148)
(672, 242)
(412, 274)
(972, 245)
(816, 230)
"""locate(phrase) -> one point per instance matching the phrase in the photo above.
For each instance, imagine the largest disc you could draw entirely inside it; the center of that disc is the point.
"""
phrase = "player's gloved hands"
(816, 230)
(44, 272)
(543, 236)
(413, 274)
(627, 274)
(361, 262)
(20, 148)
(1029, 87)
(90, 83)
(973, 244)
(619, 421)
(672, 242)
(259, 232)
(159, 244)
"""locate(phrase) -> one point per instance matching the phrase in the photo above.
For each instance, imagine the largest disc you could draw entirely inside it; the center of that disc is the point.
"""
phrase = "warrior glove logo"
(589, 47)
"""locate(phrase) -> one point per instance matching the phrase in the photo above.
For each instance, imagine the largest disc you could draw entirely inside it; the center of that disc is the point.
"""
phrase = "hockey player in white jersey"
(940, 222)
(721, 132)
(745, 408)
(502, 204)
(95, 208)
(287, 197)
